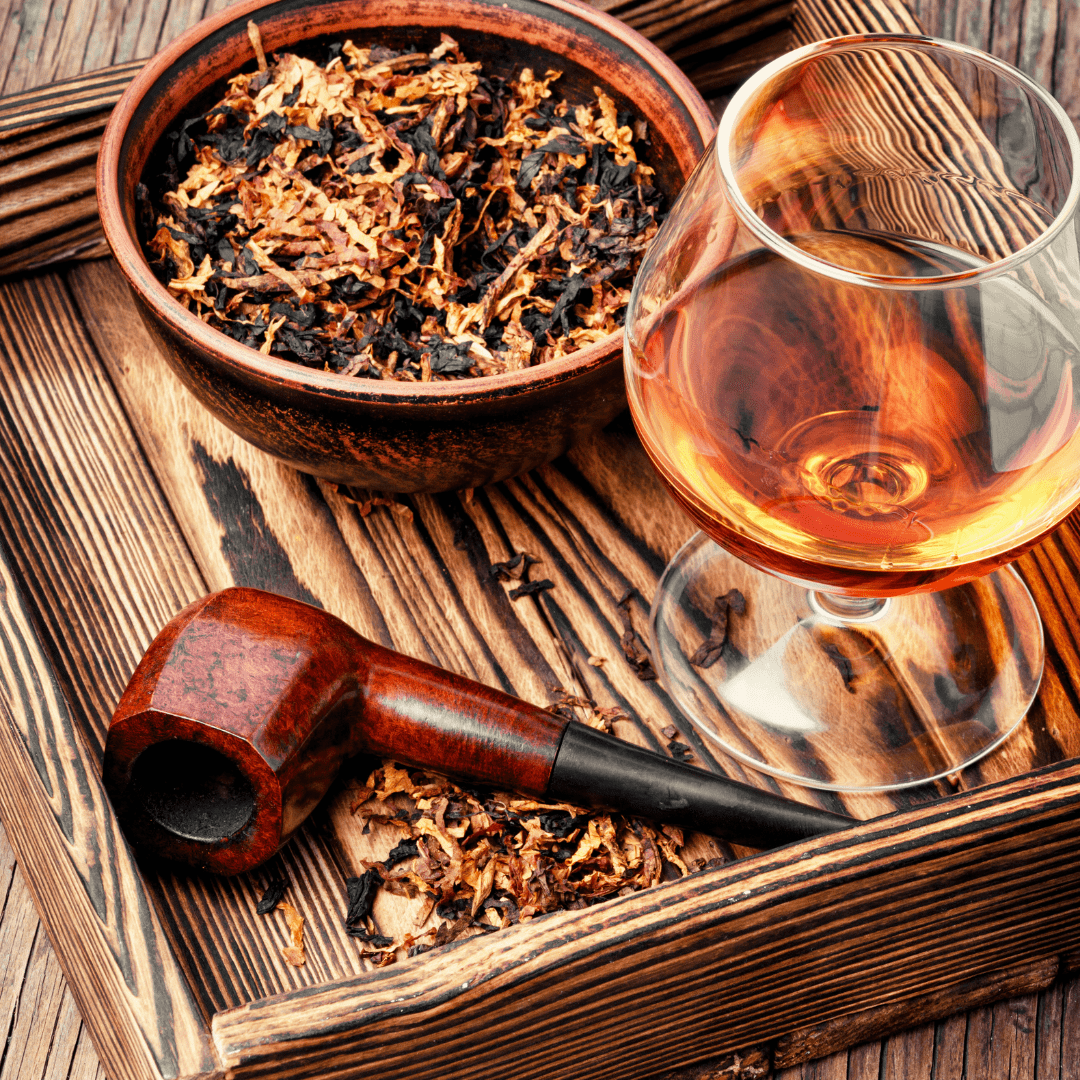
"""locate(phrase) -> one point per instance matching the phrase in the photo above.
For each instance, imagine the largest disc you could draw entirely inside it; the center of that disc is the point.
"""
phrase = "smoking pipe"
(240, 714)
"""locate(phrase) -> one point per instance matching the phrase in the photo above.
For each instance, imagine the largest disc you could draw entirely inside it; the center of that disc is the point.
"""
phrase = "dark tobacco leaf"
(531, 588)
(712, 648)
(561, 823)
(361, 893)
(322, 137)
(247, 262)
(262, 144)
(569, 293)
(679, 751)
(274, 123)
(360, 165)
(530, 167)
(564, 144)
(513, 569)
(406, 849)
(274, 894)
(449, 358)
(377, 941)
(633, 650)
(451, 909)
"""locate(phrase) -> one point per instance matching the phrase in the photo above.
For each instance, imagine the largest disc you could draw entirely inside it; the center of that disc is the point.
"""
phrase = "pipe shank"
(424, 716)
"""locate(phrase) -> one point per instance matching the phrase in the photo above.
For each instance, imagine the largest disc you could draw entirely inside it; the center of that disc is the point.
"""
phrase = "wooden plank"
(112, 940)
(392, 556)
(70, 101)
(870, 1024)
(1048, 1035)
(909, 1055)
(949, 1041)
(693, 934)
(82, 876)
(40, 999)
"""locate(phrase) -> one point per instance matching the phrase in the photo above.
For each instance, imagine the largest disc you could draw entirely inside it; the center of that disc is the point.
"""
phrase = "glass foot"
(863, 695)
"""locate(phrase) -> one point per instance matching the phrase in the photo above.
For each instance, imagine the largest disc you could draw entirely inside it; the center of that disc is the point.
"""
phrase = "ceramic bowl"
(387, 435)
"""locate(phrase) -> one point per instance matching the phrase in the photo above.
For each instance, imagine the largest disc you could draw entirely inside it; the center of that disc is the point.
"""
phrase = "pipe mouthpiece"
(596, 769)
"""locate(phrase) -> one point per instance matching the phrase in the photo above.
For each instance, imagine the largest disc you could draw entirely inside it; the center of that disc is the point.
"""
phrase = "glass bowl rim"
(920, 43)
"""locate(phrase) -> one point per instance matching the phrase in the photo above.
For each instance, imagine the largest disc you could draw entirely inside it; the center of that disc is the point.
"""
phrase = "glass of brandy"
(852, 356)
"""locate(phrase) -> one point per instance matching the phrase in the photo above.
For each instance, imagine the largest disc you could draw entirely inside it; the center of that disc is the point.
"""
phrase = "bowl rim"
(246, 362)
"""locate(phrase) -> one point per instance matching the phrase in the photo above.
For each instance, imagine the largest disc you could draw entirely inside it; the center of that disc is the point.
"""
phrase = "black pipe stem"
(598, 770)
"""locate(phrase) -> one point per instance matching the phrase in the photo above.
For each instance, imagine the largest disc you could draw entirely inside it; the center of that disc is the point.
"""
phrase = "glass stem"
(849, 608)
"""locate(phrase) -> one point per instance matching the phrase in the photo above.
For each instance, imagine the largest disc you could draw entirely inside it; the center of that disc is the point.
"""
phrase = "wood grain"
(507, 991)
(827, 1038)
(141, 1009)
(49, 135)
(103, 562)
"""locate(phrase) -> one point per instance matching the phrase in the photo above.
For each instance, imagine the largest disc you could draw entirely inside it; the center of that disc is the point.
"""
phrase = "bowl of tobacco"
(391, 244)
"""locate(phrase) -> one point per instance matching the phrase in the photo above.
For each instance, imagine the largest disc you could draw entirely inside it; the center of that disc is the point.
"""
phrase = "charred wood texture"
(121, 502)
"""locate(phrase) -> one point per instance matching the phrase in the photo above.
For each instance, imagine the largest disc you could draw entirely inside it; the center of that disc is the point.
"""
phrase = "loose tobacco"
(482, 860)
(404, 215)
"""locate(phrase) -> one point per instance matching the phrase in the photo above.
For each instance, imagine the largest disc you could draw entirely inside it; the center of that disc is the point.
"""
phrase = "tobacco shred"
(406, 216)
(636, 654)
(531, 588)
(513, 569)
(274, 894)
(679, 751)
(483, 860)
(293, 953)
(712, 648)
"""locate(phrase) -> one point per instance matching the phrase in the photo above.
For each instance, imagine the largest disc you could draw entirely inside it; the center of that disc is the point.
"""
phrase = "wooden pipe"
(240, 714)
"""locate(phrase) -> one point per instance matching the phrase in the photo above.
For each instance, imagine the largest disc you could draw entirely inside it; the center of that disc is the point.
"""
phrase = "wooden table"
(1034, 1035)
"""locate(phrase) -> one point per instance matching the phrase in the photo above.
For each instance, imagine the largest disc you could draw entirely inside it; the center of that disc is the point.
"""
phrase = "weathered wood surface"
(105, 542)
(49, 134)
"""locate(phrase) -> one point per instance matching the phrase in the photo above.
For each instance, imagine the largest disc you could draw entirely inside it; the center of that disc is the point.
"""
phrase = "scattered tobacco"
(531, 588)
(679, 751)
(366, 501)
(712, 648)
(361, 893)
(405, 215)
(513, 569)
(517, 569)
(575, 707)
(272, 900)
(637, 656)
(294, 952)
(273, 895)
(483, 860)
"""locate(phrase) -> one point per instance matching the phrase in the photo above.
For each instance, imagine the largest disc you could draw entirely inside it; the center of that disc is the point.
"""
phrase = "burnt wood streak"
(121, 502)
(87, 886)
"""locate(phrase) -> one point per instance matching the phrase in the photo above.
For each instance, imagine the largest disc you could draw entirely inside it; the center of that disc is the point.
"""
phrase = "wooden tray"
(121, 500)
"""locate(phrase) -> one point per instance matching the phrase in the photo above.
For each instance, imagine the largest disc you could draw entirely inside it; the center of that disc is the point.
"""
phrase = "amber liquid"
(869, 441)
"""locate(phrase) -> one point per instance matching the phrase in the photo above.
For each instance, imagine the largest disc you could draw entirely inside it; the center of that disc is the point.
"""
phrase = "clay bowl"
(385, 435)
